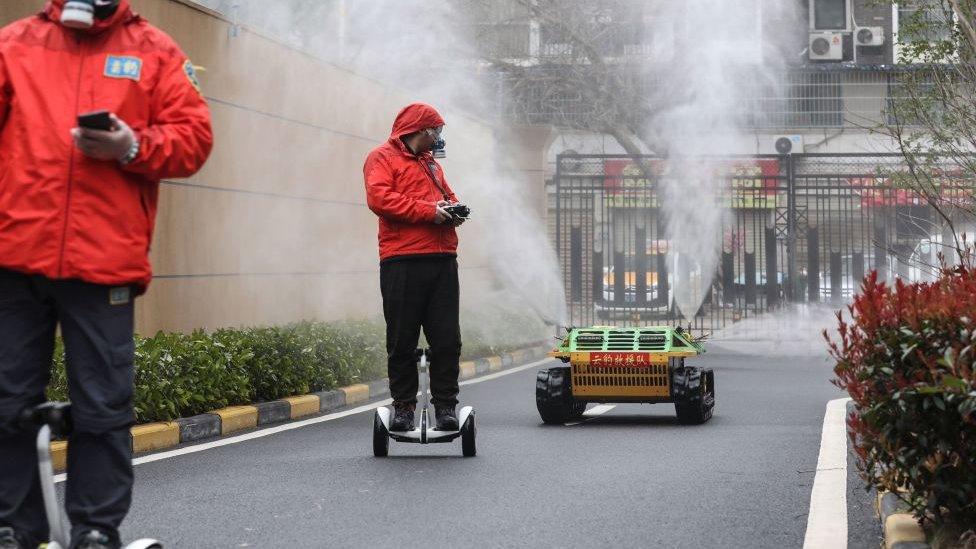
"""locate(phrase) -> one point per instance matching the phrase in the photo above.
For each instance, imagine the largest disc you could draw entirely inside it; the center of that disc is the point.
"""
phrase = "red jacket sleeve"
(179, 138)
(386, 202)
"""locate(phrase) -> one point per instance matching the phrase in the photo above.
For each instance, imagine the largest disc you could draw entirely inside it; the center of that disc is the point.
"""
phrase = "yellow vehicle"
(608, 364)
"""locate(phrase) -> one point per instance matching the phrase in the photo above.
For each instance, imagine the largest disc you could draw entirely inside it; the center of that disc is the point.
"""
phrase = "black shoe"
(93, 539)
(9, 540)
(446, 418)
(402, 418)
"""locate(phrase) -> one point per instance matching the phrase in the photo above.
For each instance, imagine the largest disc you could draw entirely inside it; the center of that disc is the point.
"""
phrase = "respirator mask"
(439, 148)
(81, 14)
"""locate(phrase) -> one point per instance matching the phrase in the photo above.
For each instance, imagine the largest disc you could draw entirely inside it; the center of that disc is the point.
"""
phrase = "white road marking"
(593, 412)
(599, 410)
(497, 375)
(261, 433)
(827, 520)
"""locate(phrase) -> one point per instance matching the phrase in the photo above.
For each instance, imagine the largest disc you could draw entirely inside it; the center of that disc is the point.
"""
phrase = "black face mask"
(440, 148)
(106, 8)
(81, 14)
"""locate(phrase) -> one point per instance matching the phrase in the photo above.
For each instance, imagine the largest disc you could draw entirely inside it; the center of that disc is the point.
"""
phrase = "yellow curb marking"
(59, 455)
(356, 393)
(155, 436)
(494, 363)
(237, 418)
(468, 370)
(302, 406)
(901, 527)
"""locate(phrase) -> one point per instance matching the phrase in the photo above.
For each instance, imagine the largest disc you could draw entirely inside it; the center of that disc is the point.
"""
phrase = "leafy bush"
(179, 375)
(907, 359)
(280, 362)
(183, 375)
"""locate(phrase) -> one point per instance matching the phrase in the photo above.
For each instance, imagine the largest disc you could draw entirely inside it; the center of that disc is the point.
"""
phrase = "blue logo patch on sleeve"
(117, 66)
(191, 75)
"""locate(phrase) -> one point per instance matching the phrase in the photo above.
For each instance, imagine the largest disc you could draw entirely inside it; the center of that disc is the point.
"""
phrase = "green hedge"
(180, 375)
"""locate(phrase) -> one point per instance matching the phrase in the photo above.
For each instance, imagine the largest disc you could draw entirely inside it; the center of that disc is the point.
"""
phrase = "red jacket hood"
(53, 12)
(402, 189)
(415, 117)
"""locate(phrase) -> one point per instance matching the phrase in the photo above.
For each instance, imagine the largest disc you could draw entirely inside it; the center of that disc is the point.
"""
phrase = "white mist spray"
(719, 52)
(424, 53)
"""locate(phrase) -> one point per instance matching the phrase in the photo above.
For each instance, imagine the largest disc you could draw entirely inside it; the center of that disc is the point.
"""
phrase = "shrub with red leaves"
(907, 358)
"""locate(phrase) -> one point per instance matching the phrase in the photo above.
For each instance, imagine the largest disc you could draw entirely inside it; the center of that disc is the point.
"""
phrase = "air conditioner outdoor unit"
(631, 50)
(826, 46)
(869, 36)
(557, 49)
(788, 144)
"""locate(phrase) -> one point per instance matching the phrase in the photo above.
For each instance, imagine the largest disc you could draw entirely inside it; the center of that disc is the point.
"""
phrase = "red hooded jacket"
(403, 190)
(66, 216)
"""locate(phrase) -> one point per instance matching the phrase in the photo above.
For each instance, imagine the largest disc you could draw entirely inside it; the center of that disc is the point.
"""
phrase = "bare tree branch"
(965, 21)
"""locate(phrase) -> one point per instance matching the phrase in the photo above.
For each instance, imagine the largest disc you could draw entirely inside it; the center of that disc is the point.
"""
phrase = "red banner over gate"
(749, 183)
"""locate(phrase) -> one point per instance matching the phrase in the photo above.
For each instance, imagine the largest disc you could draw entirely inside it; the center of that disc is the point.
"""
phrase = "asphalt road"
(631, 477)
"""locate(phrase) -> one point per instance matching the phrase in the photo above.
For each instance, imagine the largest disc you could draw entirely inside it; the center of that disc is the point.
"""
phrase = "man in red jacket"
(406, 188)
(77, 209)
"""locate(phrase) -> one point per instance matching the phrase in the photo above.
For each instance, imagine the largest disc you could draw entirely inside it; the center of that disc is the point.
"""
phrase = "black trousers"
(97, 327)
(422, 292)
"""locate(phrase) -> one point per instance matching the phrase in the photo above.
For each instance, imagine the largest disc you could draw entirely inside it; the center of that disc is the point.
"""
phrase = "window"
(816, 100)
(923, 21)
(502, 40)
(555, 43)
(914, 100)
(830, 14)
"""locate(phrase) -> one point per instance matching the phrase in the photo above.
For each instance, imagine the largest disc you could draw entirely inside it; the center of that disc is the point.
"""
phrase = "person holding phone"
(96, 107)
(418, 215)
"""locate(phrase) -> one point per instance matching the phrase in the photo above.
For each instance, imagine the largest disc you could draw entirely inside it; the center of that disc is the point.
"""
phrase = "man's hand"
(441, 216)
(114, 144)
(450, 219)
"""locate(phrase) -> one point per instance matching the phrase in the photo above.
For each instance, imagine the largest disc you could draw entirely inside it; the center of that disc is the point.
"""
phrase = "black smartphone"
(98, 120)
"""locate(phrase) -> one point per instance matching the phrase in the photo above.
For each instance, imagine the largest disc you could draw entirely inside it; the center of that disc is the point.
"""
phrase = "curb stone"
(379, 388)
(273, 412)
(302, 406)
(331, 400)
(237, 418)
(901, 530)
(199, 427)
(482, 366)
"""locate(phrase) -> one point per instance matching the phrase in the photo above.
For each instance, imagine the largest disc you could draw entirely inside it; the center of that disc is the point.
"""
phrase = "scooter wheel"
(381, 437)
(468, 433)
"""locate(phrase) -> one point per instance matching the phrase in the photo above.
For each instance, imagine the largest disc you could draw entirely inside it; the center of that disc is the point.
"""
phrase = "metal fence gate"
(798, 228)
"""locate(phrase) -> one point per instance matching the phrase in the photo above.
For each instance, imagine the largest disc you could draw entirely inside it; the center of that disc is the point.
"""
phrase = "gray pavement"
(632, 477)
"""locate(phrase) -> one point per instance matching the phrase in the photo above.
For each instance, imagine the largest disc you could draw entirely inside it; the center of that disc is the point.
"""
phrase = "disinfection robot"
(608, 364)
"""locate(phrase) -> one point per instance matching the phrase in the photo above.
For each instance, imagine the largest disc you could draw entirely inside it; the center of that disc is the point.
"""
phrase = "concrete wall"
(275, 227)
